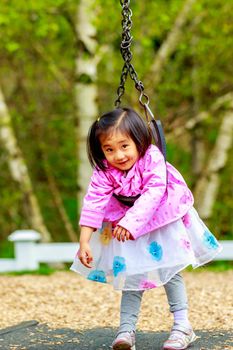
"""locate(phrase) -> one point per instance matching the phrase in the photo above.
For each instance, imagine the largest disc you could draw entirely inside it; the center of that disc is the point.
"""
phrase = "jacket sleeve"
(96, 200)
(154, 187)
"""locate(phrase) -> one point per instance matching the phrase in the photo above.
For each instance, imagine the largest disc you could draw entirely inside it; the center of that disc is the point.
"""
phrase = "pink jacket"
(161, 202)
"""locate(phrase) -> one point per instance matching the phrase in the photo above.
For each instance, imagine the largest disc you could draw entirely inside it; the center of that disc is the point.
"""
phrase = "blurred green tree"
(39, 51)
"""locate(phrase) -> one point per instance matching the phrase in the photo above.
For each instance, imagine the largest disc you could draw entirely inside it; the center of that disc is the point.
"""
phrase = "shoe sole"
(124, 346)
(194, 337)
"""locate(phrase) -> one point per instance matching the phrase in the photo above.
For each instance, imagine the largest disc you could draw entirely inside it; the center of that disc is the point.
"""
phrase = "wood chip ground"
(65, 299)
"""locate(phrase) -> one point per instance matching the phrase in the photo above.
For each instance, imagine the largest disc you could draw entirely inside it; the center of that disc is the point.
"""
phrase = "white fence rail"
(29, 253)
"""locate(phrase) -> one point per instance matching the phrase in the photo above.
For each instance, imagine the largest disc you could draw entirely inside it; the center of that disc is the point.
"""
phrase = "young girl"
(138, 225)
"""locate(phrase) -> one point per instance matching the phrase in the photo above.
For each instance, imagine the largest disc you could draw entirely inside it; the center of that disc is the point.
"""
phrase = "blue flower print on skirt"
(97, 276)
(155, 250)
(119, 265)
(209, 240)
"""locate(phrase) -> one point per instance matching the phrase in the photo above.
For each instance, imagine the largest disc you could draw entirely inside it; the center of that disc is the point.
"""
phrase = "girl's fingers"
(124, 235)
(85, 259)
(127, 235)
(131, 237)
(118, 236)
(121, 234)
(115, 232)
(89, 258)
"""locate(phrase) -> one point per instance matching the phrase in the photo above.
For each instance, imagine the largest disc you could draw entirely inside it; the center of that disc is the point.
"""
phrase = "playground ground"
(64, 311)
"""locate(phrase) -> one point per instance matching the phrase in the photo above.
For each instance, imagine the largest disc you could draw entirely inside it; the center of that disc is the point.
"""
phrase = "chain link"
(126, 54)
(154, 125)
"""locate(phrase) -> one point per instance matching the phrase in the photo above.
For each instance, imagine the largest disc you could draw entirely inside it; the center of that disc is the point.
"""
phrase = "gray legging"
(131, 302)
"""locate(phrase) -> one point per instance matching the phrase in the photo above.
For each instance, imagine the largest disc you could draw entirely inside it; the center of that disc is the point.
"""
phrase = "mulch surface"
(73, 313)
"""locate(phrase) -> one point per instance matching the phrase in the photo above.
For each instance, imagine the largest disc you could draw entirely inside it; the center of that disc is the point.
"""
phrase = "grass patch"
(44, 269)
(216, 266)
(6, 249)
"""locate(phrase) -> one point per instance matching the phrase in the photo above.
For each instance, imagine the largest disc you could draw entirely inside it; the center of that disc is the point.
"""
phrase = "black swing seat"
(128, 201)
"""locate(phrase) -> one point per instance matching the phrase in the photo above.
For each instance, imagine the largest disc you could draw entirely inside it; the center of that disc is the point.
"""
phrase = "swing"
(155, 125)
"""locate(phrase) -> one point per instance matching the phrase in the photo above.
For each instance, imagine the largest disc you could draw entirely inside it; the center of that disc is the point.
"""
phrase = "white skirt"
(151, 260)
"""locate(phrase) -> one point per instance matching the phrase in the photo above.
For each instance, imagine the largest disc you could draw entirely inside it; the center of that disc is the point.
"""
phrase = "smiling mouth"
(122, 163)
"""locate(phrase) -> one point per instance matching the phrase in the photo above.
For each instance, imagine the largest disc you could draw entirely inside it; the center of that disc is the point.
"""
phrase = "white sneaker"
(180, 338)
(124, 341)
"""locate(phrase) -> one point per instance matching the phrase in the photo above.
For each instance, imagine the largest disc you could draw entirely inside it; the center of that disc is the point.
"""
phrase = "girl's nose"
(119, 155)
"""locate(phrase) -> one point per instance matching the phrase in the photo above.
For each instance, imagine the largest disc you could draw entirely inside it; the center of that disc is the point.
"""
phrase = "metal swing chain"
(127, 55)
(154, 125)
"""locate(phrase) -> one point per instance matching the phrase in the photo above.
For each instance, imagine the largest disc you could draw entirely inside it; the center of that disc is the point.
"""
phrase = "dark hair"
(125, 120)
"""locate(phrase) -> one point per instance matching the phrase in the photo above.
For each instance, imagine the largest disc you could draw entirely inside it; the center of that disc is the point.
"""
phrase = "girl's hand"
(121, 234)
(85, 254)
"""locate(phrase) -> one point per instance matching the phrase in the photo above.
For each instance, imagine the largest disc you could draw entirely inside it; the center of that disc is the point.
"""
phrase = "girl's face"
(119, 150)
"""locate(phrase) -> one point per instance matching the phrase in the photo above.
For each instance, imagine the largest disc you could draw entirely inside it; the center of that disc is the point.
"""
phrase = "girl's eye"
(125, 146)
(108, 150)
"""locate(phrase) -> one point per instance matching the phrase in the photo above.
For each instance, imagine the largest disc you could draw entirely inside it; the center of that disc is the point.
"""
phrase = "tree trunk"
(57, 197)
(86, 89)
(197, 136)
(19, 171)
(208, 185)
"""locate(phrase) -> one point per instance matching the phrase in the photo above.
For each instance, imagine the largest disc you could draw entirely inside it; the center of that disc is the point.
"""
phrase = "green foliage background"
(38, 49)
(38, 54)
